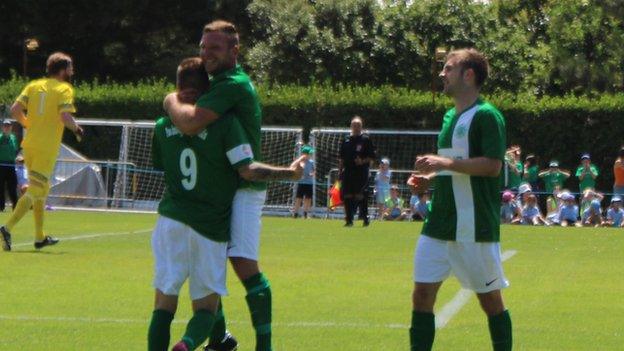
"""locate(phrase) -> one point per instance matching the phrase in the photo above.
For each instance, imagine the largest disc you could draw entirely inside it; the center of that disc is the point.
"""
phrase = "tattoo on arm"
(262, 172)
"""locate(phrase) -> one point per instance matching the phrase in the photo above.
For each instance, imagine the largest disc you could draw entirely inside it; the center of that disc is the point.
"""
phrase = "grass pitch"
(334, 288)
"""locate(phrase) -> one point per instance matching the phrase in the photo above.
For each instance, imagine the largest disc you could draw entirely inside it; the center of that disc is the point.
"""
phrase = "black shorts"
(304, 190)
(354, 186)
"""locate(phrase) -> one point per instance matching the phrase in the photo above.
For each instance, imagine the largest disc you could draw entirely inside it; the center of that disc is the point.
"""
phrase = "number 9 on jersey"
(188, 167)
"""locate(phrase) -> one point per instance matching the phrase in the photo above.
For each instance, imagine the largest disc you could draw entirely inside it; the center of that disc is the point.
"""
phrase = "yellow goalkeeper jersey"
(45, 99)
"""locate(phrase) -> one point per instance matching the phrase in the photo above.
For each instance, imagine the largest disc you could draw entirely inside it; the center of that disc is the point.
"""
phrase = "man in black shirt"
(356, 155)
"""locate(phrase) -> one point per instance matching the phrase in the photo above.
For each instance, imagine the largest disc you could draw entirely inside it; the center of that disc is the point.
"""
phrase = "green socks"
(500, 331)
(259, 302)
(422, 331)
(198, 328)
(159, 331)
(218, 330)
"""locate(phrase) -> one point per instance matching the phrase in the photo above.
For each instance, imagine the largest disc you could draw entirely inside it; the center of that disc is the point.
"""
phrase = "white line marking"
(180, 321)
(90, 236)
(460, 299)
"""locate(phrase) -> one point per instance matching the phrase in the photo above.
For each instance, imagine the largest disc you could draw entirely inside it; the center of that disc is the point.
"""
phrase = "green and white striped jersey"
(466, 208)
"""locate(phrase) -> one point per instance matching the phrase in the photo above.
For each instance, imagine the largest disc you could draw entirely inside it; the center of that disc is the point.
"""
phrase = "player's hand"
(79, 133)
(431, 163)
(297, 168)
(418, 182)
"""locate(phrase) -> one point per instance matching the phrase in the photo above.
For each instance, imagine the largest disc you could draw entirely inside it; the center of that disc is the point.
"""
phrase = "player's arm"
(189, 119)
(66, 108)
(17, 112)
(476, 166)
(260, 172)
(70, 123)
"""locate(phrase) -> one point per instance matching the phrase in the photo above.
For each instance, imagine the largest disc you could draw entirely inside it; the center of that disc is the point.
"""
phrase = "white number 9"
(188, 167)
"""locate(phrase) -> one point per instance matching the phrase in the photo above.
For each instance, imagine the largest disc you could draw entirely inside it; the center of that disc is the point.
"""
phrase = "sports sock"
(23, 205)
(198, 328)
(422, 331)
(218, 330)
(159, 332)
(500, 331)
(259, 302)
(38, 212)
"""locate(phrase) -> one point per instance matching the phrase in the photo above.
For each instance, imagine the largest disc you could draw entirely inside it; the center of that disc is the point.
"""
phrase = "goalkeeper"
(192, 233)
(50, 103)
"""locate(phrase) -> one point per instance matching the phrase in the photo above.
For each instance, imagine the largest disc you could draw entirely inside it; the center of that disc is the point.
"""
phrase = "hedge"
(551, 127)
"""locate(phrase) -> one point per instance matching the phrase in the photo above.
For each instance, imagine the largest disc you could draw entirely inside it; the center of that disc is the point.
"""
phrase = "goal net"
(131, 183)
(400, 146)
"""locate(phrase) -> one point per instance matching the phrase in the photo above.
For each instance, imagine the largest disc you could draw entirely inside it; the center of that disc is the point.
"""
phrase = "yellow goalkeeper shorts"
(40, 164)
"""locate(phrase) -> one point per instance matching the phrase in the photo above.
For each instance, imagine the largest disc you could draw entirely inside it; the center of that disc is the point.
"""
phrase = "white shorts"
(246, 224)
(180, 252)
(477, 266)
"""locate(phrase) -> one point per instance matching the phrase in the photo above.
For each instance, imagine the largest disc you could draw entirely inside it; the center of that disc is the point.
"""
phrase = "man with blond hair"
(462, 232)
(50, 104)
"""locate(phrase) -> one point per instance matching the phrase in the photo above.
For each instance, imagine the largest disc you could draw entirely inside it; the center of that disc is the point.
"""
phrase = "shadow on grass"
(39, 252)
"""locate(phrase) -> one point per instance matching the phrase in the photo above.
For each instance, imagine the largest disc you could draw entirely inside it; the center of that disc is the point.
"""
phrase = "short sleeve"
(492, 134)
(595, 170)
(222, 97)
(579, 171)
(238, 149)
(66, 103)
(24, 96)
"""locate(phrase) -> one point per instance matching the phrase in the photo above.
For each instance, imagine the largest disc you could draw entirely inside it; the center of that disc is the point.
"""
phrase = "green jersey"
(553, 179)
(531, 174)
(588, 181)
(200, 173)
(232, 91)
(8, 148)
(467, 208)
(514, 179)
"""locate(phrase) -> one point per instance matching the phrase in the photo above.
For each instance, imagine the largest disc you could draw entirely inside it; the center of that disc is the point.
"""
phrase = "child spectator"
(394, 206)
(22, 175)
(615, 214)
(305, 186)
(510, 210)
(382, 184)
(587, 173)
(592, 216)
(568, 212)
(524, 192)
(553, 176)
(513, 168)
(531, 213)
(618, 174)
(420, 207)
(588, 196)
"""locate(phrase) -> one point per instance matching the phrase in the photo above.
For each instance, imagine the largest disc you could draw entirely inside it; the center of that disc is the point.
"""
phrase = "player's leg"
(478, 267)
(208, 267)
(159, 332)
(364, 204)
(297, 202)
(170, 248)
(307, 205)
(431, 268)
(348, 201)
(243, 253)
(499, 320)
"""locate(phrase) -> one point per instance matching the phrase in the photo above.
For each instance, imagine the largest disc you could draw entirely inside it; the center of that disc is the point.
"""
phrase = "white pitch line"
(460, 299)
(301, 324)
(91, 236)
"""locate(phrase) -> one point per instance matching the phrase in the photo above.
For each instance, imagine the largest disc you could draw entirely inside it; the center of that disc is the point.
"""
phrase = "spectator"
(618, 174)
(524, 191)
(569, 211)
(394, 206)
(615, 213)
(592, 216)
(306, 185)
(510, 210)
(531, 213)
(356, 154)
(419, 206)
(382, 185)
(531, 172)
(8, 152)
(513, 167)
(553, 176)
(22, 174)
(588, 196)
(586, 173)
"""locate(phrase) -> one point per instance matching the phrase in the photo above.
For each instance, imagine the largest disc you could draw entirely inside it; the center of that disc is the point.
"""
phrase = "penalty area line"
(91, 236)
(460, 299)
